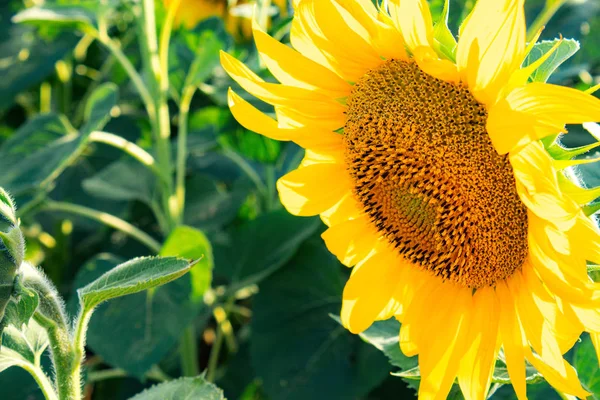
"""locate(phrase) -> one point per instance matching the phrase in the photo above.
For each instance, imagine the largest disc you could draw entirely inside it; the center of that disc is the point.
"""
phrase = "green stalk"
(543, 17)
(161, 124)
(188, 350)
(106, 219)
(184, 109)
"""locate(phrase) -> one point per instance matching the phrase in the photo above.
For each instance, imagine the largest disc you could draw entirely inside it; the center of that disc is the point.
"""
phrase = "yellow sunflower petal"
(567, 384)
(361, 304)
(491, 46)
(292, 68)
(512, 341)
(538, 110)
(444, 335)
(351, 241)
(302, 190)
(413, 19)
(253, 119)
(477, 366)
(344, 210)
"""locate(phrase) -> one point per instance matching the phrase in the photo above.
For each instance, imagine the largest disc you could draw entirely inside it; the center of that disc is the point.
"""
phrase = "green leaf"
(195, 52)
(585, 362)
(445, 42)
(132, 277)
(21, 306)
(183, 388)
(98, 107)
(190, 243)
(297, 350)
(38, 153)
(123, 180)
(565, 50)
(144, 326)
(261, 247)
(82, 14)
(210, 204)
(22, 345)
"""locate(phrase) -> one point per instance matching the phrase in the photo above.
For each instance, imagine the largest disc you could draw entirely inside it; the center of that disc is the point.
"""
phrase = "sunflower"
(191, 12)
(424, 158)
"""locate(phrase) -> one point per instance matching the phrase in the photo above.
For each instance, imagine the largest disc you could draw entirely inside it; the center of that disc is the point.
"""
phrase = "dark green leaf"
(98, 107)
(296, 348)
(565, 50)
(38, 153)
(260, 247)
(132, 277)
(145, 326)
(124, 180)
(184, 388)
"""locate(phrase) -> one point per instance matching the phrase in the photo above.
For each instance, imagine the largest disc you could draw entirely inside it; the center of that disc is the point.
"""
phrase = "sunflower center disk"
(429, 177)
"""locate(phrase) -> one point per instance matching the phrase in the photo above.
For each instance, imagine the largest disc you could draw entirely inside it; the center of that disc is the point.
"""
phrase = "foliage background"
(266, 324)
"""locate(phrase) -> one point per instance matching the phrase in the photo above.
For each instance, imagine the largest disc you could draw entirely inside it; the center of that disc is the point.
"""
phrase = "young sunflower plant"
(437, 167)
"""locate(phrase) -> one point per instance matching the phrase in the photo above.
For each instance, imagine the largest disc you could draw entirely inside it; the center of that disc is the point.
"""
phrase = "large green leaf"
(565, 50)
(145, 326)
(132, 277)
(585, 362)
(38, 152)
(123, 180)
(297, 349)
(184, 388)
(260, 247)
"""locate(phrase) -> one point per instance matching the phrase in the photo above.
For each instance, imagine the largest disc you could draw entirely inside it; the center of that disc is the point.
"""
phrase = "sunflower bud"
(12, 249)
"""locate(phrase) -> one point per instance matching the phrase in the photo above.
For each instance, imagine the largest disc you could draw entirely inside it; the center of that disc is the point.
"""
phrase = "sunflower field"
(299, 199)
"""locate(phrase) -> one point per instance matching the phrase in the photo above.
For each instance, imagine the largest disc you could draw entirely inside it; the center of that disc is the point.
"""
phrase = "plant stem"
(106, 219)
(136, 79)
(543, 17)
(214, 355)
(42, 380)
(128, 147)
(184, 109)
(188, 350)
(161, 125)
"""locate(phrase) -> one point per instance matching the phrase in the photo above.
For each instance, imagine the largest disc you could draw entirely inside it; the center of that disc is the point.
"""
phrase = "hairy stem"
(184, 109)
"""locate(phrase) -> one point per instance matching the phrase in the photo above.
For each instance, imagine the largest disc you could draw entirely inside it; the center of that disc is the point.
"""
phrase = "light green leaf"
(82, 14)
(132, 277)
(144, 326)
(445, 42)
(192, 244)
(183, 388)
(98, 107)
(585, 362)
(21, 306)
(565, 50)
(23, 345)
